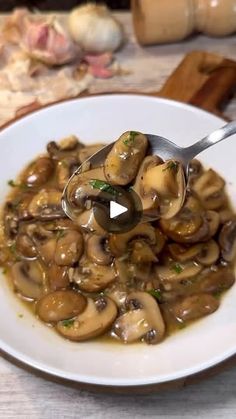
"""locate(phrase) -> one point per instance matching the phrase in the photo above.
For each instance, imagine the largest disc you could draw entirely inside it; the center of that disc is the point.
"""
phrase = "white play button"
(116, 209)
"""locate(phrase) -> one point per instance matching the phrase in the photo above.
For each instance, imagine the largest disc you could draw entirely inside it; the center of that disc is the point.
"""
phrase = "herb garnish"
(217, 294)
(4, 271)
(12, 249)
(156, 294)
(177, 268)
(171, 165)
(68, 322)
(60, 234)
(20, 315)
(13, 184)
(103, 186)
(130, 138)
(182, 325)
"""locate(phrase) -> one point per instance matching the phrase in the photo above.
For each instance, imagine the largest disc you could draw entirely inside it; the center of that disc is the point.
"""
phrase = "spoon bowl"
(159, 146)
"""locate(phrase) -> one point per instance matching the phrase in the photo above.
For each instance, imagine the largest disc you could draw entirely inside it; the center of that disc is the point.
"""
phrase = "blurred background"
(7, 5)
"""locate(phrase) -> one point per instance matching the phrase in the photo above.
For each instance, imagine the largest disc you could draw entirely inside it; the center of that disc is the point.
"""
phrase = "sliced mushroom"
(177, 272)
(46, 205)
(86, 221)
(142, 321)
(216, 281)
(141, 252)
(68, 146)
(204, 253)
(149, 198)
(47, 249)
(193, 307)
(60, 305)
(58, 277)
(195, 169)
(168, 182)
(184, 254)
(118, 292)
(69, 248)
(90, 277)
(28, 279)
(38, 172)
(25, 246)
(86, 152)
(189, 225)
(123, 161)
(213, 220)
(209, 188)
(160, 241)
(95, 320)
(64, 170)
(85, 188)
(119, 243)
(227, 240)
(96, 249)
(209, 253)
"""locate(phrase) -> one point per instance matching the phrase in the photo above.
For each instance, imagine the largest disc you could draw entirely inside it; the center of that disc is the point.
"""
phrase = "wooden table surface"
(24, 395)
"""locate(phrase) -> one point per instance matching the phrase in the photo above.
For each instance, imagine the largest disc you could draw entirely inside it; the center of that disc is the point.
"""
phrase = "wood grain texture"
(24, 395)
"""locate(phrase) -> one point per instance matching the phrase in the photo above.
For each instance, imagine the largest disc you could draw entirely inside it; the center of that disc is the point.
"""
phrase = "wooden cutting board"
(202, 79)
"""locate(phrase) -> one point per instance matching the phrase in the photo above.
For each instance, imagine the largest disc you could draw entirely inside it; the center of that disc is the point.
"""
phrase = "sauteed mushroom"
(90, 277)
(58, 277)
(86, 152)
(119, 242)
(28, 279)
(60, 305)
(46, 205)
(38, 172)
(194, 307)
(168, 183)
(69, 248)
(148, 196)
(142, 321)
(204, 253)
(123, 161)
(209, 189)
(94, 321)
(158, 276)
(227, 240)
(96, 248)
(67, 147)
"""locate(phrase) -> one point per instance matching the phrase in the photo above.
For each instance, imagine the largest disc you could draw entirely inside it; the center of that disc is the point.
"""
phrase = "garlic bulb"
(95, 29)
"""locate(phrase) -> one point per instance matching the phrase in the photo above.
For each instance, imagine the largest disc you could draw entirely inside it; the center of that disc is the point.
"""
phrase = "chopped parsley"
(14, 184)
(130, 138)
(177, 268)
(12, 249)
(4, 271)
(217, 294)
(103, 186)
(156, 294)
(20, 315)
(181, 325)
(60, 234)
(68, 322)
(172, 165)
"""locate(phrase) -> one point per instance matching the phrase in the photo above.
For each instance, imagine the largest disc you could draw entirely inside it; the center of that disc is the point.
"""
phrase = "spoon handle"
(211, 139)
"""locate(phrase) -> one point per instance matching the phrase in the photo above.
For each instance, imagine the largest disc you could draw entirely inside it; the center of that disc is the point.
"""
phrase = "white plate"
(103, 119)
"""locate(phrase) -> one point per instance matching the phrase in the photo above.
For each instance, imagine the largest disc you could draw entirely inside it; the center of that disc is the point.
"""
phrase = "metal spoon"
(160, 146)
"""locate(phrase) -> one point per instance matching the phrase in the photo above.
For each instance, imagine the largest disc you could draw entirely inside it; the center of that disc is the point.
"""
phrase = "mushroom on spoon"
(157, 177)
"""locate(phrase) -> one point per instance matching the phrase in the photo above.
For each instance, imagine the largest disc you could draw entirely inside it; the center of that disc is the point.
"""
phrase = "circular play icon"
(117, 210)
